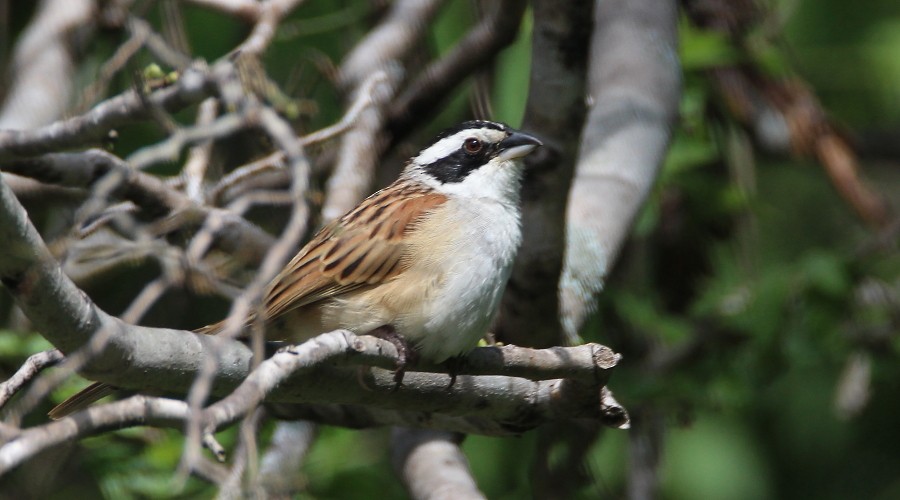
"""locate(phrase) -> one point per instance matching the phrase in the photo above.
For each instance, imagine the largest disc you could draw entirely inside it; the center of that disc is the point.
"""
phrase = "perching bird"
(427, 257)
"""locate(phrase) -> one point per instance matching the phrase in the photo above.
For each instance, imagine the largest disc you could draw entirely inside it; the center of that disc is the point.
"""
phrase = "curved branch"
(43, 65)
(32, 366)
(138, 410)
(634, 88)
(268, 15)
(431, 465)
(555, 108)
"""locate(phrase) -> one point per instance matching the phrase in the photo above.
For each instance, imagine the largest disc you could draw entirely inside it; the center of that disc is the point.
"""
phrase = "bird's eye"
(472, 145)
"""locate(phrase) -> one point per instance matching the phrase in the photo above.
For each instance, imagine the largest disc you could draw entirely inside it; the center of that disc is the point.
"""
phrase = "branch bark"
(93, 127)
(479, 46)
(432, 466)
(634, 90)
(43, 65)
(167, 359)
(555, 108)
(383, 52)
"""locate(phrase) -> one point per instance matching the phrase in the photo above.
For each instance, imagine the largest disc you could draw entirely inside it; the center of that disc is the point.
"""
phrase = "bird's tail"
(97, 390)
(81, 400)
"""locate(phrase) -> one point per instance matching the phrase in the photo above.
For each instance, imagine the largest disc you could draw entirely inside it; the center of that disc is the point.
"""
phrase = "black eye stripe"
(458, 165)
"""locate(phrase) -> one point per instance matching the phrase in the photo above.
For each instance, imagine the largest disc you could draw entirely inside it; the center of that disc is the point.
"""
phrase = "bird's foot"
(407, 355)
(454, 366)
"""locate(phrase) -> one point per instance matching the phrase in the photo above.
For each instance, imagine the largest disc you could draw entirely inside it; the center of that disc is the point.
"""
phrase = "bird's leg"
(407, 354)
(454, 366)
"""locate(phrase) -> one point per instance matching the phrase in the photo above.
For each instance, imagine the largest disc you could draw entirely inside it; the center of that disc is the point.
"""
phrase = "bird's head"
(474, 159)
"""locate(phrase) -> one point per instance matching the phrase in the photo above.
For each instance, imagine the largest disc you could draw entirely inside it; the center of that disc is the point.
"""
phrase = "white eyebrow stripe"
(442, 148)
(447, 145)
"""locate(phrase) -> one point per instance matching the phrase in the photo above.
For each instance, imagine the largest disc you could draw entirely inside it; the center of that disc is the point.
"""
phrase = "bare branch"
(480, 45)
(142, 35)
(431, 465)
(137, 410)
(249, 302)
(373, 69)
(269, 14)
(555, 108)
(86, 169)
(510, 414)
(170, 149)
(157, 45)
(93, 127)
(43, 65)
(635, 85)
(32, 366)
(289, 446)
(490, 404)
(68, 319)
(198, 158)
(498, 397)
(390, 41)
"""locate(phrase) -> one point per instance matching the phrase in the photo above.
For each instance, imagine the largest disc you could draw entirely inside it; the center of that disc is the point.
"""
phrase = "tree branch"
(30, 369)
(555, 108)
(86, 169)
(431, 465)
(479, 46)
(376, 61)
(94, 127)
(43, 68)
(19, 446)
(634, 90)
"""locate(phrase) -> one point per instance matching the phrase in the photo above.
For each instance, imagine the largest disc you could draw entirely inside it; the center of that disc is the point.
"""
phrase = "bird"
(426, 258)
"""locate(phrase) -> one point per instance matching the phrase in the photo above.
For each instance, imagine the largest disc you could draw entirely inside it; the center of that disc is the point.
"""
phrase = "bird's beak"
(517, 145)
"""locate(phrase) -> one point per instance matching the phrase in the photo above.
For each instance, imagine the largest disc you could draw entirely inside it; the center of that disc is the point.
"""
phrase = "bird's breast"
(456, 267)
(464, 256)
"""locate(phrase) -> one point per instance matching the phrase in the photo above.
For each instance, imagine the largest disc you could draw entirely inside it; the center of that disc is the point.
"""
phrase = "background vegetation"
(757, 314)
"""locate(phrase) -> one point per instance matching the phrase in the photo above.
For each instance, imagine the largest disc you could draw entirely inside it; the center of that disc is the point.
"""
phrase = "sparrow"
(427, 257)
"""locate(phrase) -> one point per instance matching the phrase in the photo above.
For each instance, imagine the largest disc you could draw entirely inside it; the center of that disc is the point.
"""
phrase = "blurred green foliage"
(768, 272)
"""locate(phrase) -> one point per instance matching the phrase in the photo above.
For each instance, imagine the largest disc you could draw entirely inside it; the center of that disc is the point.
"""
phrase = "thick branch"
(432, 466)
(554, 110)
(634, 88)
(304, 372)
(43, 68)
(20, 445)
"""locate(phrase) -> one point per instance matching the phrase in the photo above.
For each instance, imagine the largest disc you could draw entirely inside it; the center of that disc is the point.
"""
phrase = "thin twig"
(29, 369)
(94, 126)
(268, 16)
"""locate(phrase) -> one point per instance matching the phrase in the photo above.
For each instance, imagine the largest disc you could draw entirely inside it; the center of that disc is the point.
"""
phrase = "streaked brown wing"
(364, 247)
